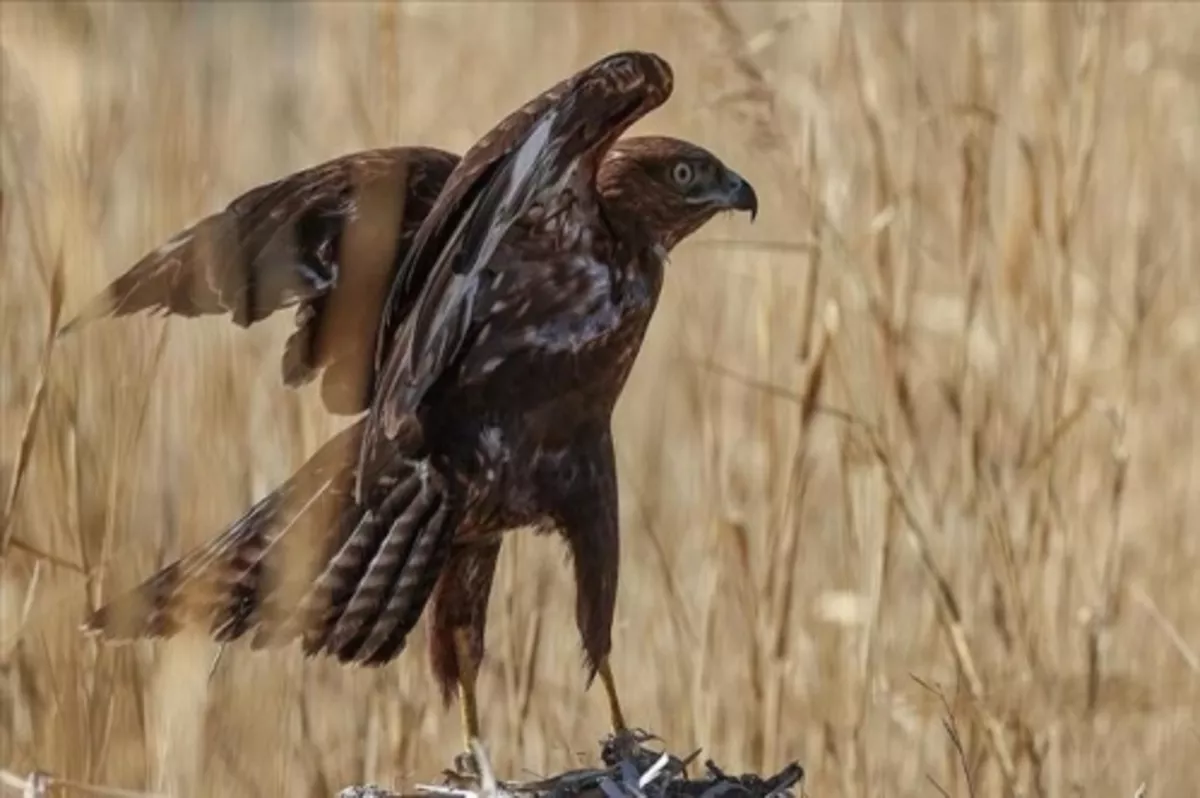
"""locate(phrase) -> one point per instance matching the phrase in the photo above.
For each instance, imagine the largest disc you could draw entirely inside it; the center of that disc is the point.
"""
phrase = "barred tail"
(350, 580)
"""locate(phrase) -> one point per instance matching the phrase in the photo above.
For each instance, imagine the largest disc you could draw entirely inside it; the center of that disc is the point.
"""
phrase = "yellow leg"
(466, 688)
(614, 703)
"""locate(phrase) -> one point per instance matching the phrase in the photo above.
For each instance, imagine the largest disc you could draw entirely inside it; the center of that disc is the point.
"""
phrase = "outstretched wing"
(328, 238)
(551, 145)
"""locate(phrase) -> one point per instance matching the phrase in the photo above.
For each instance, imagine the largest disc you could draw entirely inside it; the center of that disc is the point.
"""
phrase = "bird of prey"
(485, 312)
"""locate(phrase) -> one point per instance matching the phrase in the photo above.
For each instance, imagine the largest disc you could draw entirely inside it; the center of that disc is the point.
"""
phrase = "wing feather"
(328, 239)
(557, 137)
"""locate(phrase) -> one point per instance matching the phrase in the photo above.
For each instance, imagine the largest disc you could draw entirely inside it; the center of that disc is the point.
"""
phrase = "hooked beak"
(739, 194)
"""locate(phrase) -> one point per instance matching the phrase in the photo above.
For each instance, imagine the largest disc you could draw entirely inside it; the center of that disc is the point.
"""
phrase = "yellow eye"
(682, 173)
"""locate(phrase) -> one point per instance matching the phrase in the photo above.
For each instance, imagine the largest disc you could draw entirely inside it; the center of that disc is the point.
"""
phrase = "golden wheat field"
(910, 468)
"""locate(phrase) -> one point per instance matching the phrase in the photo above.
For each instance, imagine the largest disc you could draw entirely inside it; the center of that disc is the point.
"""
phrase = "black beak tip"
(744, 198)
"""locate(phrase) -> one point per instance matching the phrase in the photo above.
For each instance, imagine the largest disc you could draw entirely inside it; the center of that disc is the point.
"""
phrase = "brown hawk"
(504, 297)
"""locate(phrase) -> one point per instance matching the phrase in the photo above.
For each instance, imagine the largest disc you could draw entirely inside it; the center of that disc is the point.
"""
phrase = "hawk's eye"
(682, 173)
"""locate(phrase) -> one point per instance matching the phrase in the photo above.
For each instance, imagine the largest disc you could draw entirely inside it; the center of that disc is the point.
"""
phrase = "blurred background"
(909, 468)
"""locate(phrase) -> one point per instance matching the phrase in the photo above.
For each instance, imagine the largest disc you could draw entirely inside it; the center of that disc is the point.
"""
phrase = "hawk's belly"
(549, 333)
(543, 372)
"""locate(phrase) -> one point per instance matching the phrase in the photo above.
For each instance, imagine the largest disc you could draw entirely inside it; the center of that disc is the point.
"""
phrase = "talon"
(466, 769)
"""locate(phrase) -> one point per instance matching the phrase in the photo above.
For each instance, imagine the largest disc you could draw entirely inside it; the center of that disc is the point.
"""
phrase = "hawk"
(485, 313)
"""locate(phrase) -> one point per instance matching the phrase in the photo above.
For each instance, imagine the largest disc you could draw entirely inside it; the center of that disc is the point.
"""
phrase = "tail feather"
(414, 515)
(221, 584)
(308, 609)
(307, 561)
(409, 594)
(367, 594)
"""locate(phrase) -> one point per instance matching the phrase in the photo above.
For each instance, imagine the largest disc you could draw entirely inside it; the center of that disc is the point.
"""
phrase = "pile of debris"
(630, 770)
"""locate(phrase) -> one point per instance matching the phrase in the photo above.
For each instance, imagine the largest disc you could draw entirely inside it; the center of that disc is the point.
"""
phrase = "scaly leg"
(614, 703)
(466, 688)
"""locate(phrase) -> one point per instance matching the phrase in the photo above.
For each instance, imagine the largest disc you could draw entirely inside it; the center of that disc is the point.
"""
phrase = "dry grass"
(963, 563)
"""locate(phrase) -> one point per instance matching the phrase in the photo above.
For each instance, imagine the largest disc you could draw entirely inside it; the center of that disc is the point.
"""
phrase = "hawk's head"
(674, 185)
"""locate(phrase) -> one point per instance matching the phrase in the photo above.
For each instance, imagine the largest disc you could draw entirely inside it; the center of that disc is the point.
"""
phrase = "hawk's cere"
(504, 297)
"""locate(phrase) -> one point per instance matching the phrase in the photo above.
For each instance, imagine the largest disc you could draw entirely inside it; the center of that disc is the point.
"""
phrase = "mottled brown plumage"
(327, 239)
(516, 306)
